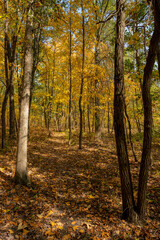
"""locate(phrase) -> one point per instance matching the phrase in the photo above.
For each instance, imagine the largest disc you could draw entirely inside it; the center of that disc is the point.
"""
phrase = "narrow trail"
(75, 193)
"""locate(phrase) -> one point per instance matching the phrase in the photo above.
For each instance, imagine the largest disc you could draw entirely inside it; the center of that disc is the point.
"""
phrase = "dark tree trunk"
(11, 57)
(36, 51)
(4, 104)
(108, 119)
(57, 118)
(130, 133)
(97, 100)
(124, 168)
(82, 81)
(158, 57)
(136, 119)
(3, 118)
(147, 105)
(70, 76)
(88, 117)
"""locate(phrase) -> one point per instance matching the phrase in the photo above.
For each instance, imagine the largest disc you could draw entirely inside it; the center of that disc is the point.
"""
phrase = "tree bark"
(21, 174)
(70, 76)
(108, 119)
(124, 168)
(147, 105)
(36, 52)
(97, 63)
(4, 104)
(158, 57)
(82, 81)
(11, 82)
(130, 133)
(3, 117)
(88, 118)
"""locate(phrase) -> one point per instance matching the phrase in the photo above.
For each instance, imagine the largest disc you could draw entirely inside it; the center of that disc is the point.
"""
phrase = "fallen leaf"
(22, 226)
(52, 223)
(74, 222)
(40, 215)
(75, 228)
(66, 237)
(49, 232)
(25, 232)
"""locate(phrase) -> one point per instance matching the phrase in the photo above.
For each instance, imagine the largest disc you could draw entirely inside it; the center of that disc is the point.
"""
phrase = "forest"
(80, 119)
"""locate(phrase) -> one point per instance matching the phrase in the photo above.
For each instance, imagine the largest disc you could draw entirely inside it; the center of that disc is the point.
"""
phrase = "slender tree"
(82, 79)
(97, 62)
(124, 168)
(21, 174)
(4, 103)
(70, 75)
(147, 105)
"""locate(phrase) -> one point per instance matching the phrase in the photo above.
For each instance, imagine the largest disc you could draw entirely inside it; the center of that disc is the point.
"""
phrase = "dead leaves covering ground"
(75, 194)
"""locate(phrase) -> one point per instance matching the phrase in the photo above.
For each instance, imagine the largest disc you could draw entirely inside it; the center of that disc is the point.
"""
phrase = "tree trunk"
(4, 104)
(97, 100)
(108, 119)
(158, 57)
(88, 118)
(82, 81)
(11, 58)
(70, 76)
(36, 51)
(21, 174)
(12, 108)
(130, 133)
(147, 105)
(3, 117)
(124, 168)
(136, 119)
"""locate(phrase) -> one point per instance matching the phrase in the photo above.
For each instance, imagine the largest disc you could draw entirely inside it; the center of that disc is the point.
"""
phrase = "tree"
(82, 79)
(9, 48)
(131, 212)
(147, 105)
(70, 75)
(21, 174)
(4, 103)
(124, 168)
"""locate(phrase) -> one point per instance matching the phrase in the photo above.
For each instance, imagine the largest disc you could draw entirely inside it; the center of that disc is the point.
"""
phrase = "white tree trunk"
(21, 175)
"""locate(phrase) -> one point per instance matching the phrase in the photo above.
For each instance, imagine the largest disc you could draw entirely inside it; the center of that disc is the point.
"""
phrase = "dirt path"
(75, 194)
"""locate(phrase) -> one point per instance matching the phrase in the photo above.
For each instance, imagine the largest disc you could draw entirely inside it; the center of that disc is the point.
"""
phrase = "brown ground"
(75, 193)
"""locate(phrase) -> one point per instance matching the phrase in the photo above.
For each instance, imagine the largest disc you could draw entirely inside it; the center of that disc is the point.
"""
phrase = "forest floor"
(75, 193)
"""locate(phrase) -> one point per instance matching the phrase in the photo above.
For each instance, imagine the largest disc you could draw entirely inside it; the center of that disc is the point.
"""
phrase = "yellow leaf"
(74, 222)
(52, 223)
(48, 232)
(40, 215)
(90, 196)
(25, 232)
(75, 228)
(60, 227)
(66, 237)
(105, 234)
(10, 231)
(67, 203)
(49, 213)
(81, 231)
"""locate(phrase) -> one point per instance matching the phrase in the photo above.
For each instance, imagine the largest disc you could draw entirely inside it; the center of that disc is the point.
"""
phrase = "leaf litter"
(75, 193)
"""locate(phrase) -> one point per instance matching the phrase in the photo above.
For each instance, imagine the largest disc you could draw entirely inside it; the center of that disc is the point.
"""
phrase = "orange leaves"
(66, 237)
(76, 194)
